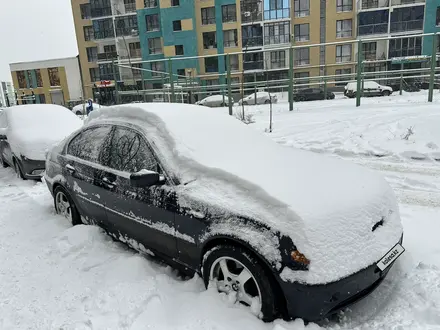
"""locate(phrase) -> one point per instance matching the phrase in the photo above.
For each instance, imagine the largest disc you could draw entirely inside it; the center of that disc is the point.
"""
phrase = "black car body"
(312, 94)
(137, 198)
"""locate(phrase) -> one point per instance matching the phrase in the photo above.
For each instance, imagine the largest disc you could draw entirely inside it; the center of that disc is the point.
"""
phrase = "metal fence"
(262, 71)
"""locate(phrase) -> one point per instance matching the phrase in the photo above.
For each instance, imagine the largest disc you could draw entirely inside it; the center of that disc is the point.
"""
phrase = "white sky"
(34, 30)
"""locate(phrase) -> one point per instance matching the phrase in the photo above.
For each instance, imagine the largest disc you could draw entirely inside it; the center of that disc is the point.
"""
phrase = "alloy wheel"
(62, 206)
(233, 278)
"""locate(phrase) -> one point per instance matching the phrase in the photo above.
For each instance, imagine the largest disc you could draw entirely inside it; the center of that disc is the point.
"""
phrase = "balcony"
(247, 17)
(406, 26)
(405, 2)
(252, 42)
(127, 32)
(381, 28)
(104, 34)
(110, 56)
(101, 12)
(130, 8)
(257, 65)
(211, 68)
(369, 56)
(280, 39)
(372, 4)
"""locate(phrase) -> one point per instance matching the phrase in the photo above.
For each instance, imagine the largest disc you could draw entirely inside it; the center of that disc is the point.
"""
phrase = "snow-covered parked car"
(371, 88)
(28, 131)
(216, 101)
(262, 98)
(285, 232)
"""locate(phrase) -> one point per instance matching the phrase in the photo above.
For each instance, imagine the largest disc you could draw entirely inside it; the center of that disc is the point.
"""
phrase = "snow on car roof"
(306, 196)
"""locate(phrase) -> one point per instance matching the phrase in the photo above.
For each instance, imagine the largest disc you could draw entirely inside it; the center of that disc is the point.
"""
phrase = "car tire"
(239, 260)
(78, 113)
(18, 170)
(245, 103)
(4, 164)
(223, 104)
(386, 93)
(68, 209)
(267, 102)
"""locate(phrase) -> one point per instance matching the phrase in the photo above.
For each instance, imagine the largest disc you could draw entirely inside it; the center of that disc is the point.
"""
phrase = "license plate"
(390, 257)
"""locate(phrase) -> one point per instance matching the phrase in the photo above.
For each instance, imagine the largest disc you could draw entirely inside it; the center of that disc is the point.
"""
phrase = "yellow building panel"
(206, 3)
(140, 4)
(165, 3)
(169, 51)
(63, 82)
(14, 80)
(187, 24)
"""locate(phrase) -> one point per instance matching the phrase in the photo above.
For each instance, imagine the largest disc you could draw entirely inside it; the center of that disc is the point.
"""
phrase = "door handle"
(70, 168)
(108, 182)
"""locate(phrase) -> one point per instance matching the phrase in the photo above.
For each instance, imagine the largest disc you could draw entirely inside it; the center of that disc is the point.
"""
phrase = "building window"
(437, 18)
(278, 9)
(178, 49)
(152, 22)
(135, 49)
(41, 98)
(344, 5)
(181, 73)
(230, 38)
(301, 32)
(85, 11)
(343, 53)
(251, 11)
(343, 79)
(369, 51)
(150, 3)
(278, 59)
(88, 33)
(130, 6)
(233, 60)
(344, 28)
(157, 68)
(175, 3)
(302, 56)
(106, 72)
(54, 77)
(211, 64)
(301, 78)
(126, 26)
(302, 8)
(209, 40)
(253, 61)
(177, 25)
(373, 22)
(154, 46)
(438, 43)
(208, 15)
(252, 35)
(92, 54)
(229, 13)
(21, 79)
(30, 80)
(407, 19)
(39, 78)
(103, 28)
(277, 33)
(94, 74)
(405, 47)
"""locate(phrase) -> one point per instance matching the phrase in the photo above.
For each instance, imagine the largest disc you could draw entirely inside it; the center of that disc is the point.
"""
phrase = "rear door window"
(129, 152)
(90, 143)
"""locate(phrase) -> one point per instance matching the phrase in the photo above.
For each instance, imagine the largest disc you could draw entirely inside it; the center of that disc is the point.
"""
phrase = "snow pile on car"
(327, 206)
(35, 128)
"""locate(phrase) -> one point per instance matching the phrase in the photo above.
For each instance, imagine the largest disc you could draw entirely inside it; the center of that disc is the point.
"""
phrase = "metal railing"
(104, 34)
(405, 2)
(380, 28)
(257, 65)
(406, 26)
(150, 3)
(130, 7)
(127, 32)
(252, 42)
(101, 12)
(252, 18)
(280, 39)
(109, 56)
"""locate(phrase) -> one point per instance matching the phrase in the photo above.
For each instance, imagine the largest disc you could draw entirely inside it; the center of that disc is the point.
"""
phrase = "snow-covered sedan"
(215, 101)
(28, 131)
(261, 98)
(283, 231)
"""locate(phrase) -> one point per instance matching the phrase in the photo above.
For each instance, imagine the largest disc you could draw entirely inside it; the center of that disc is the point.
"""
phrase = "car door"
(5, 148)
(82, 167)
(143, 214)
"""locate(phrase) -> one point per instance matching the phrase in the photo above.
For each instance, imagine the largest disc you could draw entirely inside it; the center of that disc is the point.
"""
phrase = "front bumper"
(316, 302)
(32, 169)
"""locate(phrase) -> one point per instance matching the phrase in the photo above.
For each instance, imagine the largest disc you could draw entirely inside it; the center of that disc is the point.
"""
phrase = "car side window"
(129, 152)
(88, 144)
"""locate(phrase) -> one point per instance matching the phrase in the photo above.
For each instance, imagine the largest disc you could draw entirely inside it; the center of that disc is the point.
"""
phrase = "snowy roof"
(324, 204)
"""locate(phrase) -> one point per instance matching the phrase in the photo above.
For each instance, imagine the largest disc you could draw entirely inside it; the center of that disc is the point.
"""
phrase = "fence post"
(170, 72)
(255, 87)
(116, 82)
(433, 64)
(228, 74)
(359, 74)
(291, 78)
(401, 79)
(325, 88)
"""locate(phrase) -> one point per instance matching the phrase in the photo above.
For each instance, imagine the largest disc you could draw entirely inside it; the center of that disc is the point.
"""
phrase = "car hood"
(328, 207)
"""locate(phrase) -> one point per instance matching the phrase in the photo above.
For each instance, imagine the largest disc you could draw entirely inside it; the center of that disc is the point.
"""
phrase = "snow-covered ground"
(53, 276)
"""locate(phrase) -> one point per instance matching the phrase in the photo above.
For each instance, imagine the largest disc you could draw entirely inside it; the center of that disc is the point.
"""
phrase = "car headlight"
(299, 259)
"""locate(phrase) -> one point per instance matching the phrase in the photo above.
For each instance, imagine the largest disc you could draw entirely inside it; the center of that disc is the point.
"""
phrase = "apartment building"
(432, 25)
(154, 30)
(55, 81)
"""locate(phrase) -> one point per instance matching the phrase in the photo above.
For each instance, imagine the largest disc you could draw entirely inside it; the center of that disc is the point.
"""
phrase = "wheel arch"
(219, 240)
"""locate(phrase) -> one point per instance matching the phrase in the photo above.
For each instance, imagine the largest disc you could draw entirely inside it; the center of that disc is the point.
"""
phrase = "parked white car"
(262, 98)
(80, 109)
(215, 101)
(28, 131)
(371, 88)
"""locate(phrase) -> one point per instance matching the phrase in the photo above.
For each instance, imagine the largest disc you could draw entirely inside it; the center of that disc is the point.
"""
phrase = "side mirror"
(146, 178)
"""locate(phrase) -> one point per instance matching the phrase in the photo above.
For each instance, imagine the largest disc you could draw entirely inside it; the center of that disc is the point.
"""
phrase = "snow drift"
(327, 206)
(35, 128)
